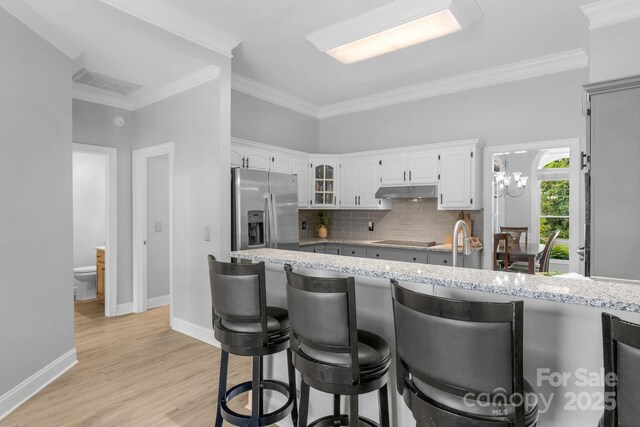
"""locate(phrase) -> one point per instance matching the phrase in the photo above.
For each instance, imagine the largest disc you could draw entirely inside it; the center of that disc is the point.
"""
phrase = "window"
(553, 179)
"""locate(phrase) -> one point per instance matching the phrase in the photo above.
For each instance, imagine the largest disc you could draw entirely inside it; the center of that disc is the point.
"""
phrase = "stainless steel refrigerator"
(264, 210)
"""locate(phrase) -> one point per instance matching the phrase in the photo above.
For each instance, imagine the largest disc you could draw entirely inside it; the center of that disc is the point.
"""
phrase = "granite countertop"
(601, 294)
(374, 243)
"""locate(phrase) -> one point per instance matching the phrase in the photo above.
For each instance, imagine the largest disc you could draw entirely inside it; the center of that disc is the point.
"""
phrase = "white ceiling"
(274, 50)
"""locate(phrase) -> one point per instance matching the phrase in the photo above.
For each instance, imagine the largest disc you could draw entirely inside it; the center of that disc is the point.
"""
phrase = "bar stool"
(621, 345)
(245, 326)
(329, 351)
(459, 363)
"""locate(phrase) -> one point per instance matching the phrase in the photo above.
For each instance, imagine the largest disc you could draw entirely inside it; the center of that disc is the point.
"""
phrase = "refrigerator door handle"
(267, 221)
(273, 222)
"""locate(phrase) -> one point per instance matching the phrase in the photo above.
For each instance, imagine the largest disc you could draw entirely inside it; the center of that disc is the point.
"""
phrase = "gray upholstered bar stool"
(621, 342)
(459, 363)
(245, 326)
(329, 351)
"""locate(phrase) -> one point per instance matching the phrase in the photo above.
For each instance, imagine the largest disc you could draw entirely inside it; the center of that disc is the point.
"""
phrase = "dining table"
(529, 253)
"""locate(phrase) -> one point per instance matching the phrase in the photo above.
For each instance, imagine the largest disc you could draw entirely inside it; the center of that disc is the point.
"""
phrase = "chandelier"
(508, 184)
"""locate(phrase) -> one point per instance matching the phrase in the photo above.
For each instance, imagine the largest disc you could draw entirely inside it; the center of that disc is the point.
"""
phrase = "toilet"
(84, 282)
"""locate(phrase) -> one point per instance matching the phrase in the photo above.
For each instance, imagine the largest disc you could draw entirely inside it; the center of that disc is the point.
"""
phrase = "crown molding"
(144, 97)
(556, 63)
(179, 23)
(609, 12)
(97, 96)
(41, 27)
(274, 96)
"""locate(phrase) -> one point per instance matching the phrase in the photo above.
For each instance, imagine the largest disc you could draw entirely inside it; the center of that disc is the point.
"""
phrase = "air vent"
(103, 82)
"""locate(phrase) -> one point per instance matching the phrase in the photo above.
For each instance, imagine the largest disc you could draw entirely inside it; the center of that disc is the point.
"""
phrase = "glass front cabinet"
(325, 183)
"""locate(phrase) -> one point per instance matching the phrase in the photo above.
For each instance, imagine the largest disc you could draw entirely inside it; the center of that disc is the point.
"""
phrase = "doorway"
(153, 227)
(95, 223)
(535, 185)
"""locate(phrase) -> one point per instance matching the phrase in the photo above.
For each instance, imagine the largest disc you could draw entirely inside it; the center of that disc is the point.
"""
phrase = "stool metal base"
(266, 419)
(341, 420)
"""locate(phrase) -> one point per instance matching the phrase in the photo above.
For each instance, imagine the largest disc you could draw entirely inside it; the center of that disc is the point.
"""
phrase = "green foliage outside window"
(554, 203)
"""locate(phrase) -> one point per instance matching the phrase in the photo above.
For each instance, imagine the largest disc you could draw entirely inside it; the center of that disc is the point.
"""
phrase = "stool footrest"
(267, 419)
(341, 420)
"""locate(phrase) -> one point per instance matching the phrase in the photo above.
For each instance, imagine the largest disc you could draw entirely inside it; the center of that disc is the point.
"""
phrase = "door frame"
(111, 240)
(139, 176)
(574, 192)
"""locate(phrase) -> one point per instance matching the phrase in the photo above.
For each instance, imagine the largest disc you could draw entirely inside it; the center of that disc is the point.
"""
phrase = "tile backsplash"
(407, 220)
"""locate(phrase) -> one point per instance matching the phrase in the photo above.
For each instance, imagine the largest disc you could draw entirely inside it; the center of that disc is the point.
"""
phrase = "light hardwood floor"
(133, 370)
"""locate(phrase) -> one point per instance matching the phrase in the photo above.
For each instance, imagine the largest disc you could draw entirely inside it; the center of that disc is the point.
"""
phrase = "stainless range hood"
(408, 192)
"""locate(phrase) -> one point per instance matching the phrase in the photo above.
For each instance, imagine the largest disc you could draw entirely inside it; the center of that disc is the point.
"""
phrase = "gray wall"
(517, 210)
(261, 121)
(193, 120)
(158, 238)
(407, 220)
(93, 124)
(89, 206)
(614, 51)
(36, 249)
(537, 109)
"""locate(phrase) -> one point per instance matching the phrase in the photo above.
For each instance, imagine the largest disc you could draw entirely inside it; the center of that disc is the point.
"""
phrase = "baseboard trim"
(157, 301)
(194, 331)
(125, 308)
(24, 391)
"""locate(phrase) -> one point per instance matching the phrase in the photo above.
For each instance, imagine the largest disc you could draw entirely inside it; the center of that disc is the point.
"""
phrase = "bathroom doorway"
(95, 225)
(153, 227)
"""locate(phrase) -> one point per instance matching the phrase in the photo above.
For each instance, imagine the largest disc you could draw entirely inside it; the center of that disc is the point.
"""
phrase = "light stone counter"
(606, 295)
(562, 323)
(377, 244)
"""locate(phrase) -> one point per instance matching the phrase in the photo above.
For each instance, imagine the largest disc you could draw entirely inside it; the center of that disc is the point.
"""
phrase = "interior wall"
(89, 206)
(261, 121)
(194, 120)
(614, 51)
(537, 109)
(158, 226)
(517, 210)
(36, 229)
(93, 124)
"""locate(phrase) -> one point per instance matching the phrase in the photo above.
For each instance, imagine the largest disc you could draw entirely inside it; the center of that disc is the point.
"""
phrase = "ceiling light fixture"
(394, 26)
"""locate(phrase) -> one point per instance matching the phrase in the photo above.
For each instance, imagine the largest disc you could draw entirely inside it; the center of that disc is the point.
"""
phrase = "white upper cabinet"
(459, 185)
(281, 163)
(324, 182)
(258, 159)
(237, 156)
(359, 181)
(301, 168)
(423, 167)
(394, 169)
(349, 183)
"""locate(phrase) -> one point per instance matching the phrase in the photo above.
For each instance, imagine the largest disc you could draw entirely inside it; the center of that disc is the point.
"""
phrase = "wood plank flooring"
(133, 370)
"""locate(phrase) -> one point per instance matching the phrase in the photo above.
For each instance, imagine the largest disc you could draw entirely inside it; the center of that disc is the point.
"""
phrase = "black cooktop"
(407, 243)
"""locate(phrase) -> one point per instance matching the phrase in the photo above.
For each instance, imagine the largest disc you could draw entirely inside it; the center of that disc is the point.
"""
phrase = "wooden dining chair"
(517, 232)
(497, 238)
(543, 263)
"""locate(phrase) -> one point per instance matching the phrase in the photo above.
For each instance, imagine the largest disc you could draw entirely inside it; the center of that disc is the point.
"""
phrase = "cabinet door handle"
(409, 175)
(334, 200)
(355, 200)
(404, 176)
(358, 199)
(440, 198)
(247, 163)
(243, 162)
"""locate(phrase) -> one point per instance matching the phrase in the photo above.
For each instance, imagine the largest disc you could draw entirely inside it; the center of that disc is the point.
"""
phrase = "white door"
(369, 183)
(349, 180)
(257, 159)
(423, 167)
(301, 168)
(157, 232)
(394, 169)
(281, 163)
(455, 179)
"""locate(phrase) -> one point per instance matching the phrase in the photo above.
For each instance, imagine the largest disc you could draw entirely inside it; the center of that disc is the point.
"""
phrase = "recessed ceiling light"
(394, 26)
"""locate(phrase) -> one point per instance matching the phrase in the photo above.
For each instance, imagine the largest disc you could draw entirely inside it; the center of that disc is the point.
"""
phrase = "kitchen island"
(562, 331)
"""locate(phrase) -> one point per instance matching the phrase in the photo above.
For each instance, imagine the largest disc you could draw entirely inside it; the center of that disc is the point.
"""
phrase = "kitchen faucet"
(466, 241)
